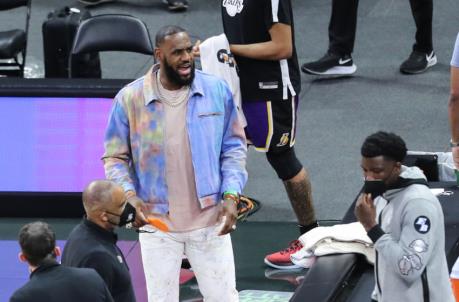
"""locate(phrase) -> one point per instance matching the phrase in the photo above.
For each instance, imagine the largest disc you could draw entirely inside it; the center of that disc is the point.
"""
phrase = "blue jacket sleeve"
(234, 147)
(117, 156)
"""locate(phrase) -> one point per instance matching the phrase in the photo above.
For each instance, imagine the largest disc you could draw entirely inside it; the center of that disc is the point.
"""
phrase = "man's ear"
(57, 251)
(22, 257)
(103, 216)
(157, 53)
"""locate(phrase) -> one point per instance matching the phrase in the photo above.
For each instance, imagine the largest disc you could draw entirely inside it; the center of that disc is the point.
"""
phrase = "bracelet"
(231, 196)
(129, 194)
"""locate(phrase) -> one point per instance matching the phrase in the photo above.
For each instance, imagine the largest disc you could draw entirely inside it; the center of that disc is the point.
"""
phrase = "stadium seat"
(111, 32)
(13, 42)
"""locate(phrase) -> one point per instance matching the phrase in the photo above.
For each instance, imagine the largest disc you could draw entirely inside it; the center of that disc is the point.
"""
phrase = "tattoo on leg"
(299, 192)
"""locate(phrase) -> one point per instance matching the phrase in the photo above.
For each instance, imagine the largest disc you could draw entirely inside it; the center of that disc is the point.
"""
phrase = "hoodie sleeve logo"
(409, 263)
(225, 57)
(419, 246)
(233, 7)
(422, 224)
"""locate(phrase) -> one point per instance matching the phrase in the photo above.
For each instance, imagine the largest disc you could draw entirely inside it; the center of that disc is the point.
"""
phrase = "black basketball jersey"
(247, 22)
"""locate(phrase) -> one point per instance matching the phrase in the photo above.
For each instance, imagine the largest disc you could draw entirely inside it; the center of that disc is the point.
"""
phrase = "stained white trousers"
(211, 258)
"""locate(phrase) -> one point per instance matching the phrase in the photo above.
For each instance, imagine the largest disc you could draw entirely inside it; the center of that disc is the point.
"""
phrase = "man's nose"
(186, 56)
(369, 176)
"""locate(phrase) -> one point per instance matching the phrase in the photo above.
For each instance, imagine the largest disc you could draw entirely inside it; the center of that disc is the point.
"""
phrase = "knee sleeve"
(284, 163)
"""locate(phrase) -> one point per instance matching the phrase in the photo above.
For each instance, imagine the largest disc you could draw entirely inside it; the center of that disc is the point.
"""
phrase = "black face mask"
(377, 187)
(126, 217)
(374, 187)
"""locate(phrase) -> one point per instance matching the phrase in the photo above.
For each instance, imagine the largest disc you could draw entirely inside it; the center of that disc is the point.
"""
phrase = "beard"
(175, 77)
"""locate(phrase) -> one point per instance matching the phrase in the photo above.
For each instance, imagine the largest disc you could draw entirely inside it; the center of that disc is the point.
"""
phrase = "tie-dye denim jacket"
(134, 141)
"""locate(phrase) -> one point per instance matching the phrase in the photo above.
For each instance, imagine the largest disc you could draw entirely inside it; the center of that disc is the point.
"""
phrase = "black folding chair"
(13, 42)
(111, 32)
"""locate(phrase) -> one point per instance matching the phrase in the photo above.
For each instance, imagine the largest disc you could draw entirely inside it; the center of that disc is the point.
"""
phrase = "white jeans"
(210, 256)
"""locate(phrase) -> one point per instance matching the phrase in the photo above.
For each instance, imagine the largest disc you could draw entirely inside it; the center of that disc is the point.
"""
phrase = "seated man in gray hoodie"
(405, 222)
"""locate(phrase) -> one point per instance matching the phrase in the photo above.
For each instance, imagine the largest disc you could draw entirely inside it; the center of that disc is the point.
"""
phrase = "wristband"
(232, 192)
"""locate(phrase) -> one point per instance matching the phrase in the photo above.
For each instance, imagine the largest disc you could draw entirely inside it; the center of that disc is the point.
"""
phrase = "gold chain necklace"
(182, 96)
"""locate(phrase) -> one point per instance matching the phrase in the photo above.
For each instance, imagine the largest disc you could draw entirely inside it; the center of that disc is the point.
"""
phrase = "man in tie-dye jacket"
(175, 144)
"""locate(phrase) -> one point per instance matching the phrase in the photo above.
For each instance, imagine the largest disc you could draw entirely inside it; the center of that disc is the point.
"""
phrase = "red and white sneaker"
(281, 259)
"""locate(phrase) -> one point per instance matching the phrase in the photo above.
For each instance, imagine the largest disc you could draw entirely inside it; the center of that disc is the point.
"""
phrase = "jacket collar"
(46, 265)
(100, 232)
(150, 95)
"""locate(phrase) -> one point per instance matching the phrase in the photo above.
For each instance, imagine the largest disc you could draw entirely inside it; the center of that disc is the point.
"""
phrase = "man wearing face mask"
(405, 222)
(92, 243)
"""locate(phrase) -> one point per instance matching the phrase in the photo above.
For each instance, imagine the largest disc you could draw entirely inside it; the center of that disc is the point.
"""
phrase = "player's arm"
(280, 47)
(453, 113)
(454, 104)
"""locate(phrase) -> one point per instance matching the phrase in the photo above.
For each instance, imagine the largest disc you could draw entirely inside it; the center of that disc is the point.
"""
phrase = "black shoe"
(330, 64)
(418, 62)
(94, 2)
(176, 5)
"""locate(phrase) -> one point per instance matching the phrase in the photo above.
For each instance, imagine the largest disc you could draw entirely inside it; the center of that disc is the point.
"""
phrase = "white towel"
(216, 59)
(337, 239)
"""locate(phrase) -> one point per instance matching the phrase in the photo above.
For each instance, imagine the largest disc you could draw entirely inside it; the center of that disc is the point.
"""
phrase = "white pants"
(210, 256)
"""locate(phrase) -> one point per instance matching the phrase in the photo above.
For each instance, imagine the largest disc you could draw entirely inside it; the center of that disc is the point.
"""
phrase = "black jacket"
(89, 245)
(52, 282)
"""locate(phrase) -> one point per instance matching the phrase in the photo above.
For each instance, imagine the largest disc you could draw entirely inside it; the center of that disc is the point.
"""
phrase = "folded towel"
(337, 239)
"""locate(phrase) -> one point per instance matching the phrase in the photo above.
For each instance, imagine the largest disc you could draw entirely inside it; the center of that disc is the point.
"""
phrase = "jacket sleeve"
(234, 147)
(117, 154)
(420, 229)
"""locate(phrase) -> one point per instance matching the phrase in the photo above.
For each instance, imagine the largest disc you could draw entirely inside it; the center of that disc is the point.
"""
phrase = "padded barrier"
(326, 278)
(361, 292)
(106, 88)
(450, 204)
(41, 204)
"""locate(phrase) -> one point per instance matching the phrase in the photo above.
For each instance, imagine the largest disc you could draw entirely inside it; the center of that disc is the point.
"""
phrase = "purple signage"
(51, 144)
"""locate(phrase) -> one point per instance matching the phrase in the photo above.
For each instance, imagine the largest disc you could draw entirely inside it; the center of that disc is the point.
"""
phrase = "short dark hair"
(37, 241)
(165, 31)
(97, 193)
(386, 144)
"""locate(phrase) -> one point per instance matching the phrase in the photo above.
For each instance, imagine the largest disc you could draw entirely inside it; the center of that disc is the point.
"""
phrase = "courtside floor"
(251, 241)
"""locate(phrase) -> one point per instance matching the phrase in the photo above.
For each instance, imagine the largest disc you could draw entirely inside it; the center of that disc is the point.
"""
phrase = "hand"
(365, 211)
(140, 210)
(229, 211)
(196, 51)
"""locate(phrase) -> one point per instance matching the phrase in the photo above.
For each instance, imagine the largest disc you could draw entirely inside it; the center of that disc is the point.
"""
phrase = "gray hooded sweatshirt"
(410, 243)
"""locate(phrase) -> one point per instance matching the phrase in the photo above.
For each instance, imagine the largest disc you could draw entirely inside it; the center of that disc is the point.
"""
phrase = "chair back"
(110, 32)
(10, 4)
(13, 42)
